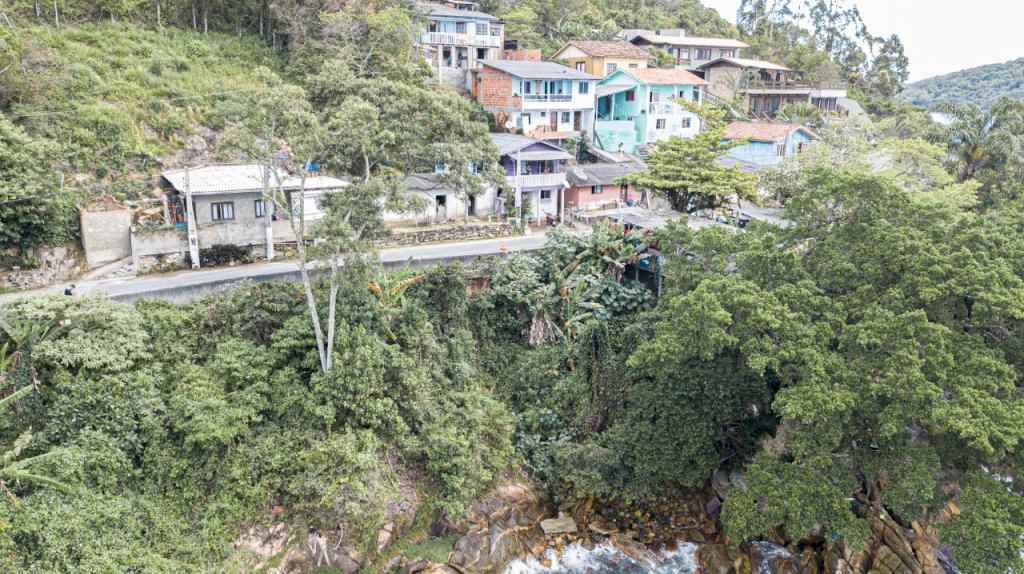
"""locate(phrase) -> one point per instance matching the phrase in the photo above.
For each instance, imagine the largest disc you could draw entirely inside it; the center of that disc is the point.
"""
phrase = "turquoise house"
(638, 108)
(768, 143)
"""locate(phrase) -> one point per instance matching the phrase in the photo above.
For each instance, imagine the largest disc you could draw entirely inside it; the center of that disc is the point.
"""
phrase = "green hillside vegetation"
(981, 86)
(103, 105)
(116, 98)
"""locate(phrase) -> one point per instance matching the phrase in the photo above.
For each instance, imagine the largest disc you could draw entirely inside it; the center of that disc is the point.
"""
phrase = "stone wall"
(106, 234)
(55, 265)
(467, 232)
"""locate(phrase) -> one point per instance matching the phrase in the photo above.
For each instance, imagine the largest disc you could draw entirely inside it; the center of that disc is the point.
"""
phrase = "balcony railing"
(548, 97)
(665, 109)
(796, 85)
(449, 39)
(536, 180)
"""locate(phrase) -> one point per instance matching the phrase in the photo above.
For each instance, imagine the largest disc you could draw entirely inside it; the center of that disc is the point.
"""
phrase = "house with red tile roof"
(602, 58)
(766, 144)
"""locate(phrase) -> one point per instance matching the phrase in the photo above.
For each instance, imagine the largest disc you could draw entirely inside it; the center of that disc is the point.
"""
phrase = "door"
(554, 121)
(441, 207)
(577, 121)
(471, 210)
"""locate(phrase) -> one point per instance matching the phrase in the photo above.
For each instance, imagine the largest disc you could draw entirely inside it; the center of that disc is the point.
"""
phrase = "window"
(595, 190)
(543, 114)
(685, 54)
(527, 119)
(660, 124)
(631, 96)
(610, 68)
(223, 211)
(696, 96)
(703, 54)
(545, 194)
(440, 167)
(527, 87)
(584, 87)
(728, 53)
(460, 27)
(566, 117)
(260, 207)
(634, 66)
(481, 53)
(481, 29)
(434, 27)
(686, 123)
(780, 150)
(801, 147)
(581, 66)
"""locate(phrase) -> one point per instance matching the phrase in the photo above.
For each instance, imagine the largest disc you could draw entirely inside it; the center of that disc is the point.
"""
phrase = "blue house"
(636, 108)
(534, 170)
(767, 143)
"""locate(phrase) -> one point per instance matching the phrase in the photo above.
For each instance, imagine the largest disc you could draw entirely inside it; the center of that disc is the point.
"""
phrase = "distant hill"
(982, 86)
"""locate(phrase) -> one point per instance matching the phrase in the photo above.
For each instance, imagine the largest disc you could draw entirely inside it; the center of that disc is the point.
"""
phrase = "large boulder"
(502, 526)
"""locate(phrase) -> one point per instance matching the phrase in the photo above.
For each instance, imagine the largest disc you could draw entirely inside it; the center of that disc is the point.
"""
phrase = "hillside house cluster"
(573, 127)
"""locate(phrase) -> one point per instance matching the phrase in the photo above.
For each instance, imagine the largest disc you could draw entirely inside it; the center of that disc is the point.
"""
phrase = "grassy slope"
(982, 85)
(118, 97)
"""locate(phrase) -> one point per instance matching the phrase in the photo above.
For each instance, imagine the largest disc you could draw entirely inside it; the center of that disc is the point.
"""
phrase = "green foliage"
(686, 173)
(981, 86)
(987, 533)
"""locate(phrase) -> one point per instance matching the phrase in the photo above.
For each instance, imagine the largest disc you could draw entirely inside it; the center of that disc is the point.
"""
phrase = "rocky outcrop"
(48, 266)
(500, 527)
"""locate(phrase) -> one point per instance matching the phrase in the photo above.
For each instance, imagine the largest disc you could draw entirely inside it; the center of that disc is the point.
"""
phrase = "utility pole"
(190, 223)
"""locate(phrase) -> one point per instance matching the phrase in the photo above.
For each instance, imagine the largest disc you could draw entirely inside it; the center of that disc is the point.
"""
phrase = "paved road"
(184, 286)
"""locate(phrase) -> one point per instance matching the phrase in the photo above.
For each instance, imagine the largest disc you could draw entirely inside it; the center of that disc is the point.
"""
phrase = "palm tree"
(985, 138)
(25, 334)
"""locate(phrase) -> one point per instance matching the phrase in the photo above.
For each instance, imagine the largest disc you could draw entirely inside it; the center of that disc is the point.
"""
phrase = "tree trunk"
(195, 16)
(56, 14)
(159, 17)
(206, 16)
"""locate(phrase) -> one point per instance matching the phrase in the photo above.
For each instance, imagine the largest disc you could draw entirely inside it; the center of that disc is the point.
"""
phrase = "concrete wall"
(106, 235)
(586, 198)
(146, 242)
(456, 206)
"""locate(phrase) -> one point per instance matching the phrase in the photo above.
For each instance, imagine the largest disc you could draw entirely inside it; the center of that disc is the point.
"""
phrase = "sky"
(940, 36)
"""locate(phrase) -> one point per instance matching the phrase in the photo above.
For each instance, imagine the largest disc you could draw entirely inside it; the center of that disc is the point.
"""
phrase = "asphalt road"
(182, 286)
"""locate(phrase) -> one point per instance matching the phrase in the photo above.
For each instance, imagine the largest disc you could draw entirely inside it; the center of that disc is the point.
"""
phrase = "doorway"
(441, 207)
(554, 121)
(577, 121)
(471, 209)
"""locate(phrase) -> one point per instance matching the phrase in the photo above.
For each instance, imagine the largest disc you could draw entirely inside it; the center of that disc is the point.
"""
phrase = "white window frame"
(259, 207)
(222, 211)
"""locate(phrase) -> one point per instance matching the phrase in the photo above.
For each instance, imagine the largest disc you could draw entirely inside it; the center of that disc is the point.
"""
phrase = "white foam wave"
(607, 559)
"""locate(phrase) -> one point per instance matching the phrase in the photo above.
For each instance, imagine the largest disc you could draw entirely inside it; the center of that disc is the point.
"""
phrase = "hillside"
(116, 98)
(981, 86)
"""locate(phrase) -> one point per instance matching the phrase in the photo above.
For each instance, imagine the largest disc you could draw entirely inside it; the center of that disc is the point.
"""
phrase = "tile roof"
(762, 131)
(248, 178)
(537, 70)
(745, 63)
(604, 49)
(666, 77)
(655, 38)
(586, 175)
(442, 11)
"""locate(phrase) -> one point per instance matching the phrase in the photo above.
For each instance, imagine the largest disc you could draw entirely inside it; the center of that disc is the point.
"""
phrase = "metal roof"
(442, 11)
(745, 63)
(511, 143)
(223, 179)
(586, 175)
(538, 70)
(654, 38)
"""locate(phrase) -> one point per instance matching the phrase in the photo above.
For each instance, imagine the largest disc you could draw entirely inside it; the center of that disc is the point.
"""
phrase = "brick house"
(543, 100)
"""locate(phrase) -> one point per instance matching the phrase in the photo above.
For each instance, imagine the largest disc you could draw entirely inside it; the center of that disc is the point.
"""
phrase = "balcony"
(794, 85)
(665, 109)
(548, 97)
(536, 180)
(448, 39)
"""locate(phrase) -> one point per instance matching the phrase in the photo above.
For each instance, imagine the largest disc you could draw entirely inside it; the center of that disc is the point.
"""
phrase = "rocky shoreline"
(513, 522)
